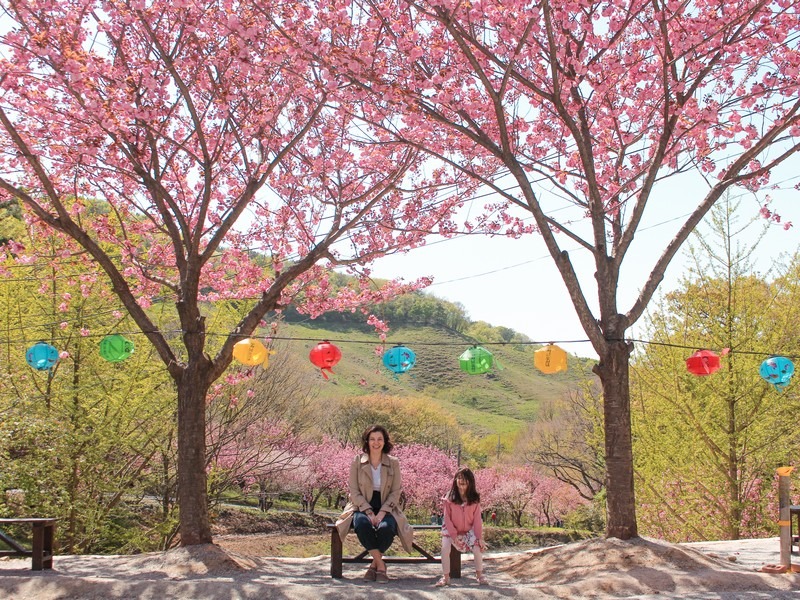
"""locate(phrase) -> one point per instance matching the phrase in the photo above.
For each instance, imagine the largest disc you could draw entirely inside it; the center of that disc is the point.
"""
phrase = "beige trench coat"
(361, 492)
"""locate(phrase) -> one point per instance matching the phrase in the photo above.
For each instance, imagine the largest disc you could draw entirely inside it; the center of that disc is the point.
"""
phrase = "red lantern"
(325, 355)
(703, 362)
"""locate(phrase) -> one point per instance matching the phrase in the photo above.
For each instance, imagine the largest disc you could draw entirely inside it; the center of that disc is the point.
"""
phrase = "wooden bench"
(41, 551)
(794, 532)
(425, 557)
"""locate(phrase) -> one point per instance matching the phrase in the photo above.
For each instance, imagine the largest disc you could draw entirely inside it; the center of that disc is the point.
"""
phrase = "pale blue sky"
(514, 283)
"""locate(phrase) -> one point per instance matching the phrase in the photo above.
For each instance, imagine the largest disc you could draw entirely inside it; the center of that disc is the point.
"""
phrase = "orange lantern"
(550, 359)
(325, 355)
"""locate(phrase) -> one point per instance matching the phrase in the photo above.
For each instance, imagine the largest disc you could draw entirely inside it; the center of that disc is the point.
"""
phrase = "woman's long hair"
(472, 495)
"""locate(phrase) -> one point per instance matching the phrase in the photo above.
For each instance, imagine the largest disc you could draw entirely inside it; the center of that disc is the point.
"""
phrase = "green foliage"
(73, 439)
(410, 420)
(706, 447)
(568, 439)
(502, 401)
(12, 226)
(416, 308)
(588, 517)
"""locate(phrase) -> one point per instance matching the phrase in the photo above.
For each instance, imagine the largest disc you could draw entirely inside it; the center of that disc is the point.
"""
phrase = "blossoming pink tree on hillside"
(322, 469)
(427, 474)
(511, 489)
(521, 491)
(255, 424)
(554, 500)
(175, 144)
(596, 105)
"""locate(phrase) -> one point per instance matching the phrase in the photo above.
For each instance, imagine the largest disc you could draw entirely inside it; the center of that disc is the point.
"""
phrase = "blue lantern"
(399, 359)
(476, 360)
(41, 356)
(778, 371)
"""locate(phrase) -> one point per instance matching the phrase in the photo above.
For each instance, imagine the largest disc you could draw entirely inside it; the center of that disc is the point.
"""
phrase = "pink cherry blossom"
(228, 166)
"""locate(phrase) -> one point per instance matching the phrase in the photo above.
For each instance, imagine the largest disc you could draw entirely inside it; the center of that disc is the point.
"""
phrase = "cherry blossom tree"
(553, 500)
(191, 155)
(522, 490)
(512, 489)
(599, 105)
(256, 420)
(427, 474)
(324, 468)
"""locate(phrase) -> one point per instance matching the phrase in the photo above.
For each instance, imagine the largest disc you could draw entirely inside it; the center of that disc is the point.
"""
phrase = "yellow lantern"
(550, 359)
(252, 352)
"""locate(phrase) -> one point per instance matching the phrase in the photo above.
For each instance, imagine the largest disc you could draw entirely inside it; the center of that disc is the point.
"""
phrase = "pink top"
(460, 518)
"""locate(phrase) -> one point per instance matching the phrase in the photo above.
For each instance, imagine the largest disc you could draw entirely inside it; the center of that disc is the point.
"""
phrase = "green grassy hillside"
(502, 401)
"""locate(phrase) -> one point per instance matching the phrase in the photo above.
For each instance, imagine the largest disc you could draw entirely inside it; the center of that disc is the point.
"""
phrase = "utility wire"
(401, 342)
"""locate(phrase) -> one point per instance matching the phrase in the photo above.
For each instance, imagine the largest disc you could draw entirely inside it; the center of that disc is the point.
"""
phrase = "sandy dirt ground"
(596, 568)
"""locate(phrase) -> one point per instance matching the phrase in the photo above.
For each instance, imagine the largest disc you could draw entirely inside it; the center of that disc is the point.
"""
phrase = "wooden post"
(455, 563)
(336, 554)
(784, 516)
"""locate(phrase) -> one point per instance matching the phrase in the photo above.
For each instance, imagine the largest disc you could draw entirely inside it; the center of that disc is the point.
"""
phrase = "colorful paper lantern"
(41, 356)
(399, 359)
(325, 356)
(115, 348)
(252, 352)
(777, 370)
(703, 362)
(476, 360)
(550, 359)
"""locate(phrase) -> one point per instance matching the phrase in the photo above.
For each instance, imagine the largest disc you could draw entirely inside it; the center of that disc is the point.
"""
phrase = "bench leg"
(455, 563)
(336, 554)
(47, 546)
(38, 547)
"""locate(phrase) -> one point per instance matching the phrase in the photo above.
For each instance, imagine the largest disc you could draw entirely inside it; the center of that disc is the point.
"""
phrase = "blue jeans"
(375, 538)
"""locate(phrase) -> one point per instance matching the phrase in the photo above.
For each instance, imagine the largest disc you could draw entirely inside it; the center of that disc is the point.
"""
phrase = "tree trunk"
(621, 502)
(195, 526)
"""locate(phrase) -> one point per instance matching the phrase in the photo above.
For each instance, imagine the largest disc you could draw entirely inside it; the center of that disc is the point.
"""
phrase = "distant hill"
(502, 401)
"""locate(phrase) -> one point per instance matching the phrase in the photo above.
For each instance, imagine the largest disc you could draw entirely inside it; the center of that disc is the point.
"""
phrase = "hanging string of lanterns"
(776, 370)
(476, 360)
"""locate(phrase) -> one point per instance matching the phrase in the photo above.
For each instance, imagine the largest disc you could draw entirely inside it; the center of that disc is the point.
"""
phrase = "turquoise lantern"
(476, 360)
(41, 356)
(115, 348)
(778, 371)
(399, 359)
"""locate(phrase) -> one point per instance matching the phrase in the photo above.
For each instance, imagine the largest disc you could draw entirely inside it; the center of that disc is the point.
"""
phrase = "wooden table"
(41, 551)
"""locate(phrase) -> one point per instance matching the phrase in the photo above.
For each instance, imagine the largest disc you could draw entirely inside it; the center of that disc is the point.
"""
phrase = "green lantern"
(476, 360)
(115, 348)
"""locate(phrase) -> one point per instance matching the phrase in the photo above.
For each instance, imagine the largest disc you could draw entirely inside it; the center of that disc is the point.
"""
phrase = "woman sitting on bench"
(374, 507)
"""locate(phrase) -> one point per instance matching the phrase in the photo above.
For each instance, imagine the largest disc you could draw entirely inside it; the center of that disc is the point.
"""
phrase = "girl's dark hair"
(387, 445)
(473, 497)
